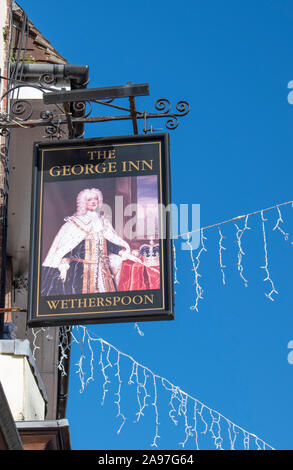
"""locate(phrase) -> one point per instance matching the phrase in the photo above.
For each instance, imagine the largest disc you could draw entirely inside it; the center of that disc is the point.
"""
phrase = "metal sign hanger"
(72, 108)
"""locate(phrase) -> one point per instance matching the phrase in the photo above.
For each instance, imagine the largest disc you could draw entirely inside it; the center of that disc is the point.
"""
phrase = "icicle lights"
(240, 232)
(201, 426)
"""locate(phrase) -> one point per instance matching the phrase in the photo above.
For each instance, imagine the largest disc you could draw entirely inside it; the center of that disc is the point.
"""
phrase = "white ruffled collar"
(91, 221)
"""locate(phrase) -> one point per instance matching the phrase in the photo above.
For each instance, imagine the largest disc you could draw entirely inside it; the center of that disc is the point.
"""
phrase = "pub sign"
(100, 234)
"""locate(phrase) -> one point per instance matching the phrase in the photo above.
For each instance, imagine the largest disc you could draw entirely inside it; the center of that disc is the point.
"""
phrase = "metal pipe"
(77, 74)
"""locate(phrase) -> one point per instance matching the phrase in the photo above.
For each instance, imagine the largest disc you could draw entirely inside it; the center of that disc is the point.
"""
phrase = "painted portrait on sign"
(100, 238)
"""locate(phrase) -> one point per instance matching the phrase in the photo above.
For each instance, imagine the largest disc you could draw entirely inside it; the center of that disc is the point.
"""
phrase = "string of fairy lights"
(195, 261)
(120, 372)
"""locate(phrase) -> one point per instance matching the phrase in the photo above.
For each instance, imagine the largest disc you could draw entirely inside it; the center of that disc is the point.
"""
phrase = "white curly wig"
(82, 198)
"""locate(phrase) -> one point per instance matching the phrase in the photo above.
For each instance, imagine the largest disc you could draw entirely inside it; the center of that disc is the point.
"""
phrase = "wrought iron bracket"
(71, 113)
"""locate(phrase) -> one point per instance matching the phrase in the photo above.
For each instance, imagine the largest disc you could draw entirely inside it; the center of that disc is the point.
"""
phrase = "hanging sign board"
(100, 240)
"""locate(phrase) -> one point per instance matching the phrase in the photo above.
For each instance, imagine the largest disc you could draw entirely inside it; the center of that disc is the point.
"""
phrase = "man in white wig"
(85, 256)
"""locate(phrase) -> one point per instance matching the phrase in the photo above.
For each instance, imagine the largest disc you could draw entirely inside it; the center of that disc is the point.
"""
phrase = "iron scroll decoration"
(164, 105)
(22, 110)
(80, 112)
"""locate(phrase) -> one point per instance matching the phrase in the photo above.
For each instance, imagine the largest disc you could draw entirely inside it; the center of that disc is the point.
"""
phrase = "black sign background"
(65, 161)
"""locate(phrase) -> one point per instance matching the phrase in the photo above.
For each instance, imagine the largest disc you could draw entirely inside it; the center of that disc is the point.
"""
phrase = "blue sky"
(232, 155)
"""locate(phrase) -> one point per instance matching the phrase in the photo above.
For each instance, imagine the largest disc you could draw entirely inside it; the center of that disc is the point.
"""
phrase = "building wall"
(21, 389)
(16, 155)
(44, 344)
(5, 33)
